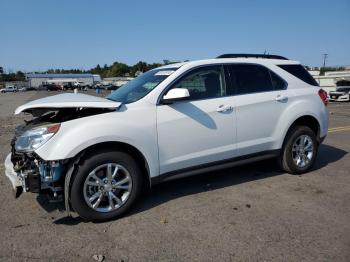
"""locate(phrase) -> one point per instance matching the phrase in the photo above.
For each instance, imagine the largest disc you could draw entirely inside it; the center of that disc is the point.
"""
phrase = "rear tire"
(113, 197)
(299, 150)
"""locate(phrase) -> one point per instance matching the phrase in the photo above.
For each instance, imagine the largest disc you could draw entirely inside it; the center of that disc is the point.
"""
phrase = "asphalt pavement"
(248, 213)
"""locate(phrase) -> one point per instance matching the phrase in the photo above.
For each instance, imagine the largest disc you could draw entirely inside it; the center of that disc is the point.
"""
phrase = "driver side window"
(204, 83)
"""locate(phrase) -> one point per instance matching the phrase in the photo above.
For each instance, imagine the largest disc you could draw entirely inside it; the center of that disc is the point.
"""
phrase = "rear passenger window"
(251, 79)
(277, 82)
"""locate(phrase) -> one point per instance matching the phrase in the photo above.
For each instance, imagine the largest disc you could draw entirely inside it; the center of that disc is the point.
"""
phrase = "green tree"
(20, 76)
(118, 69)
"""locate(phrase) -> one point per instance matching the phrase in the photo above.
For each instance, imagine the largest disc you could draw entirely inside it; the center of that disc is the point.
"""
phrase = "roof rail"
(252, 56)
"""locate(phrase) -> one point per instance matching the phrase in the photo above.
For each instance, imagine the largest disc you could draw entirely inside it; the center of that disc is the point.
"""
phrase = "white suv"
(9, 89)
(175, 120)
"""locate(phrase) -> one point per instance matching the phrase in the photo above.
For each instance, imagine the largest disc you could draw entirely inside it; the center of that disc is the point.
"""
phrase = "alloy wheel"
(303, 151)
(107, 187)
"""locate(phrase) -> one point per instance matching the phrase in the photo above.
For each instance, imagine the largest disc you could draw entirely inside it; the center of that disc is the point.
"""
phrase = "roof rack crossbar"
(252, 56)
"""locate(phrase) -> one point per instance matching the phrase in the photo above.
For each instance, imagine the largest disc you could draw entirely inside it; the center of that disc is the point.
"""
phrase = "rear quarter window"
(300, 72)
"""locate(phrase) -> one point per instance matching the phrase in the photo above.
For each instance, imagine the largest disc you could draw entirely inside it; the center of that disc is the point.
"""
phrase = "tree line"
(7, 77)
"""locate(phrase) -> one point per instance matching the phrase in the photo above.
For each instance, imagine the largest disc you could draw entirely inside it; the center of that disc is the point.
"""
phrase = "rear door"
(260, 98)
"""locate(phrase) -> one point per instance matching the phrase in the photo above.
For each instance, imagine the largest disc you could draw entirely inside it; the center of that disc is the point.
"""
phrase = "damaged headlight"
(34, 138)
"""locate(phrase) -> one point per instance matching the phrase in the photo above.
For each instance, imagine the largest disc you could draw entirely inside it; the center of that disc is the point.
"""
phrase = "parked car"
(53, 87)
(23, 89)
(68, 86)
(173, 121)
(76, 85)
(49, 87)
(9, 89)
(341, 94)
(111, 87)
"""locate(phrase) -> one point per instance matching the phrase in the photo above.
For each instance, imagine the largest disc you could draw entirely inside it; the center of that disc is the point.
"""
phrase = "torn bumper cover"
(36, 176)
(16, 180)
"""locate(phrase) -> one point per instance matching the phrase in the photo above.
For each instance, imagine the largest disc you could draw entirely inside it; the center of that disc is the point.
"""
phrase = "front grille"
(335, 96)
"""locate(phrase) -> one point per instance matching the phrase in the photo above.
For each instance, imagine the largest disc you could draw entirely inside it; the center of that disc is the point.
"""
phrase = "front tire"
(105, 186)
(299, 150)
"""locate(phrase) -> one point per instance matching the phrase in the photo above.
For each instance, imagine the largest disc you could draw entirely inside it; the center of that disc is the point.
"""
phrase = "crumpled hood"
(67, 100)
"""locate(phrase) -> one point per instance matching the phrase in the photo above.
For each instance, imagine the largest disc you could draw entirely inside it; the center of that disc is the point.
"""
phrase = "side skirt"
(217, 165)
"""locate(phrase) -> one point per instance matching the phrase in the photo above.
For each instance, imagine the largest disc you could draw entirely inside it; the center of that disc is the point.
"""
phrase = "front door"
(200, 130)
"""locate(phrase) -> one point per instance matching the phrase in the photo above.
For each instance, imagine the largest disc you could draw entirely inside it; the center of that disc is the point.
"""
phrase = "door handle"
(281, 98)
(224, 108)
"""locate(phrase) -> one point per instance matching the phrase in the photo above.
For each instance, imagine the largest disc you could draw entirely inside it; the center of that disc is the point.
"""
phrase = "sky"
(39, 35)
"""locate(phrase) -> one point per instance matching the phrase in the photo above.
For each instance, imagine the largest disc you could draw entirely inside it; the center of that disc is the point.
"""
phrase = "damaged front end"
(36, 175)
(27, 171)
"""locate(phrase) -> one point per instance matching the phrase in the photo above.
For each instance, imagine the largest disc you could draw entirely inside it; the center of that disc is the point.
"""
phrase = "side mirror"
(175, 94)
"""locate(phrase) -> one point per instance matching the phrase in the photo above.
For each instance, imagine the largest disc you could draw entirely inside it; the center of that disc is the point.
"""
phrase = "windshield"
(140, 86)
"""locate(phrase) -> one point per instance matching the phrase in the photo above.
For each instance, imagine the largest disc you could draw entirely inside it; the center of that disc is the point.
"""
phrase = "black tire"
(89, 163)
(286, 161)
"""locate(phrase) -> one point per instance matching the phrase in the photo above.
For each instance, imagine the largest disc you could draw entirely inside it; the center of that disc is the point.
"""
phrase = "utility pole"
(325, 56)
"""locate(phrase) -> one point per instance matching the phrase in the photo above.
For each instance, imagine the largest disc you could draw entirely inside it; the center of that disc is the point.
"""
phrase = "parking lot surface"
(248, 213)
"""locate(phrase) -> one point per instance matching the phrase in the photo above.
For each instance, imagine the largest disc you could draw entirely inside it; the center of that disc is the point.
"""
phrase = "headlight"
(34, 138)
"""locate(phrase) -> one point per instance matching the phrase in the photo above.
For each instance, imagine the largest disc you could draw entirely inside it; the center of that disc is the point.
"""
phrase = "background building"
(35, 80)
(331, 79)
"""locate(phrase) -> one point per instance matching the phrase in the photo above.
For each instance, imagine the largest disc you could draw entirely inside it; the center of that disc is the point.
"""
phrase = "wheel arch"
(108, 145)
(124, 147)
(306, 120)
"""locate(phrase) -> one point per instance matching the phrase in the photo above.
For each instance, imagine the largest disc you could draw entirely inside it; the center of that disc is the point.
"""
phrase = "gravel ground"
(248, 213)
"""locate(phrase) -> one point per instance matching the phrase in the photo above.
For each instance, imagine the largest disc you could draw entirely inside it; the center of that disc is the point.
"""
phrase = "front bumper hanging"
(17, 182)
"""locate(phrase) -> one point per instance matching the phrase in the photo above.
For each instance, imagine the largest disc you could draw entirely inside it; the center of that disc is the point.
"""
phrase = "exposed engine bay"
(35, 174)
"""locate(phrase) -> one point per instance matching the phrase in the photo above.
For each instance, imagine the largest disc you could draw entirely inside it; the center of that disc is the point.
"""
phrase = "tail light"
(324, 97)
